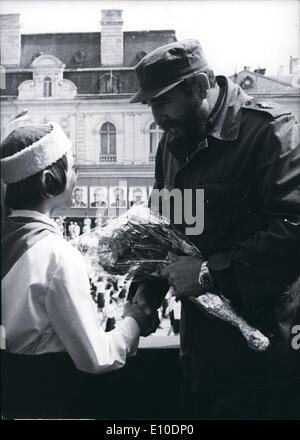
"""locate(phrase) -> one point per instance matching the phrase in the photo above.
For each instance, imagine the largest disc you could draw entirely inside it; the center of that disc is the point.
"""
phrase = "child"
(46, 301)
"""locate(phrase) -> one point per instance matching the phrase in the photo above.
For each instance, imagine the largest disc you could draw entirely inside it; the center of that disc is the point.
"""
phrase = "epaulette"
(270, 107)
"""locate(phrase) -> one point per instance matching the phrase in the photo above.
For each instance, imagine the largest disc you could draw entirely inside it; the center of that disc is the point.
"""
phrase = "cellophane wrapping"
(136, 244)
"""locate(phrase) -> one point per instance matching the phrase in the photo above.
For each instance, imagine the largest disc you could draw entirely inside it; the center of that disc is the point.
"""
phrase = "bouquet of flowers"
(137, 244)
(134, 244)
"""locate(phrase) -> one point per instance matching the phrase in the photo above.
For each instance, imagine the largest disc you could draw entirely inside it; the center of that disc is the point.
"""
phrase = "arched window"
(108, 144)
(109, 83)
(47, 87)
(155, 136)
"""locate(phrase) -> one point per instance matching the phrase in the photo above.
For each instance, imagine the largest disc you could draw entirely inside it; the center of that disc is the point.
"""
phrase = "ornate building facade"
(84, 81)
(283, 89)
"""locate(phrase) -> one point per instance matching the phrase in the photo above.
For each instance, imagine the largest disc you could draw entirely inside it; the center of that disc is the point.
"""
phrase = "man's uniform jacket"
(249, 169)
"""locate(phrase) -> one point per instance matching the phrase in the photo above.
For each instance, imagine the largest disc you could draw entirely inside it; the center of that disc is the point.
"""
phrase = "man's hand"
(183, 275)
(148, 299)
(147, 323)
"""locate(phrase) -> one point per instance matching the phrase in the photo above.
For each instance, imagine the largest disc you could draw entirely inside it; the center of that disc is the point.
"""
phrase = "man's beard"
(184, 137)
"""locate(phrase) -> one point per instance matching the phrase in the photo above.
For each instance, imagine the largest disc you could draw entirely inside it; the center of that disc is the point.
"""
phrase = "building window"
(247, 83)
(108, 150)
(109, 84)
(79, 57)
(47, 87)
(155, 136)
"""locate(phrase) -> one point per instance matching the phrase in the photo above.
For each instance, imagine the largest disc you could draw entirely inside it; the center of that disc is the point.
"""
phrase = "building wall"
(268, 89)
(82, 120)
(290, 103)
(76, 64)
(259, 83)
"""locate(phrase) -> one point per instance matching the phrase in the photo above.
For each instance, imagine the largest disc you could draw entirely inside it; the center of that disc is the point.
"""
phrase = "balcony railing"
(108, 158)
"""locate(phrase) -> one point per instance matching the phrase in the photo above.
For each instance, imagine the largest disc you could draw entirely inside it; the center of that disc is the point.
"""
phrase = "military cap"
(168, 65)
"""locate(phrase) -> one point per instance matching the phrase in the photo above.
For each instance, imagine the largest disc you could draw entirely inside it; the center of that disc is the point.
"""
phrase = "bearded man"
(246, 156)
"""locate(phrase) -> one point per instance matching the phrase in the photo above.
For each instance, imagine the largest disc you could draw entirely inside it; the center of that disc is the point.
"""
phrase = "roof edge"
(262, 76)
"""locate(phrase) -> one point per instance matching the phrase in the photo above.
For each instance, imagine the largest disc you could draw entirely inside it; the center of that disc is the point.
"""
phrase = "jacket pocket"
(225, 192)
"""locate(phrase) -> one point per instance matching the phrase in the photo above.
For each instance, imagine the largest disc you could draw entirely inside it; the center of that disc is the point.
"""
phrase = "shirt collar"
(225, 121)
(35, 215)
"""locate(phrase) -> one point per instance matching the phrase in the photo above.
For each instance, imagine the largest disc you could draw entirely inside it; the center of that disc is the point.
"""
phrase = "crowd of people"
(72, 229)
(110, 294)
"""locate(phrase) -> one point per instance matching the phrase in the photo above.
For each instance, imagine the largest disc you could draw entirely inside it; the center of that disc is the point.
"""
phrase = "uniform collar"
(35, 215)
(226, 120)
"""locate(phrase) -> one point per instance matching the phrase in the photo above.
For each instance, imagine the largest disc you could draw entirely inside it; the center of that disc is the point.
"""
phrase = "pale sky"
(233, 33)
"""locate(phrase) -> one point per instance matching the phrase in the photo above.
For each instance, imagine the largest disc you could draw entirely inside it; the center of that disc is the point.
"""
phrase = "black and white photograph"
(118, 197)
(121, 303)
(98, 197)
(79, 197)
(150, 188)
(137, 195)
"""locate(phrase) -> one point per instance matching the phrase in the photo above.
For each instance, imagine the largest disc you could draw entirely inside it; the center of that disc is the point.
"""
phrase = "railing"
(154, 373)
(152, 158)
(108, 158)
